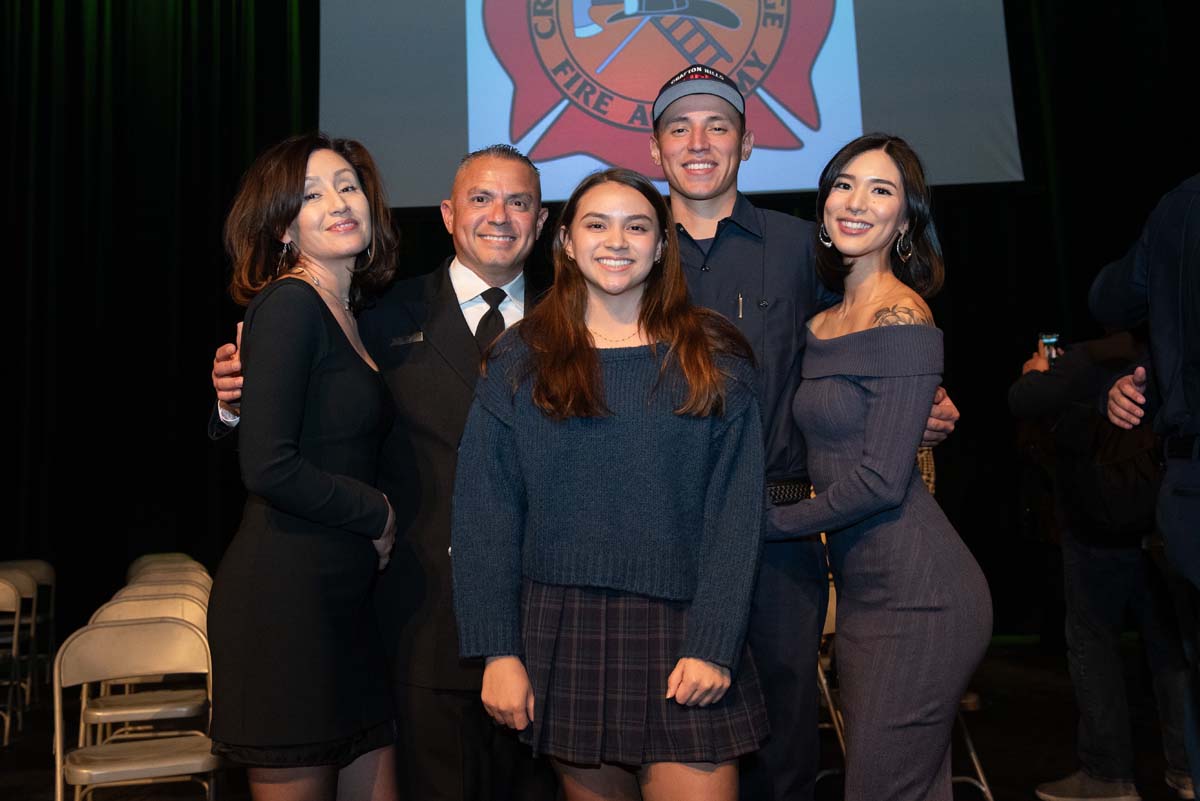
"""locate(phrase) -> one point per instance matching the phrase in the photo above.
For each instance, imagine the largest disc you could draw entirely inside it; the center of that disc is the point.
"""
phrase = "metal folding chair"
(136, 714)
(44, 574)
(10, 656)
(28, 587)
(122, 649)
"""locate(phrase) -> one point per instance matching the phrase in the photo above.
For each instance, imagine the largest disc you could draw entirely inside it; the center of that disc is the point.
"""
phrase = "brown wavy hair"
(566, 373)
(267, 202)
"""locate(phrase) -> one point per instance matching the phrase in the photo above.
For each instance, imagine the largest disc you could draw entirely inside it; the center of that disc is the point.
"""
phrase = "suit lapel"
(446, 329)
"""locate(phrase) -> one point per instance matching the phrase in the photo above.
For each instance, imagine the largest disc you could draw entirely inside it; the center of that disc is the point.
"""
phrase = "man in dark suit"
(427, 335)
(1159, 280)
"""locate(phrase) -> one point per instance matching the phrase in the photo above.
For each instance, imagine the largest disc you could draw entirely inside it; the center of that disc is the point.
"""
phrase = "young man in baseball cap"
(756, 267)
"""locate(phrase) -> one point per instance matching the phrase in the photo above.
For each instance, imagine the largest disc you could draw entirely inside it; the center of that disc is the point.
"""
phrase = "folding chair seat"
(27, 632)
(145, 560)
(44, 574)
(10, 610)
(122, 649)
(135, 713)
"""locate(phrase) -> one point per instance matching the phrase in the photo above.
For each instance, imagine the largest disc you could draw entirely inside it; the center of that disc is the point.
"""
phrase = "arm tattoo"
(899, 315)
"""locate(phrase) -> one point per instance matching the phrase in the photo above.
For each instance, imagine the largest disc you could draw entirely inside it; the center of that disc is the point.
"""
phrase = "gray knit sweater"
(643, 500)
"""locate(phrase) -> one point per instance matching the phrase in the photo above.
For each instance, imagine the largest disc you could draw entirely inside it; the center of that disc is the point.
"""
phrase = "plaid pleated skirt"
(599, 660)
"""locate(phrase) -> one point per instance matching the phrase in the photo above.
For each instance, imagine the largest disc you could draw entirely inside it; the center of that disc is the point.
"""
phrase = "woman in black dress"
(299, 685)
(913, 611)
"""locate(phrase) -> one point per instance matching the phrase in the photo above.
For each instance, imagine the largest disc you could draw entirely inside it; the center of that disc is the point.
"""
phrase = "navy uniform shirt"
(759, 272)
(1159, 280)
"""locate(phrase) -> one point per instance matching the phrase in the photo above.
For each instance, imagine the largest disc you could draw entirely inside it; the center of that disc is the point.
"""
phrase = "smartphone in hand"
(1050, 345)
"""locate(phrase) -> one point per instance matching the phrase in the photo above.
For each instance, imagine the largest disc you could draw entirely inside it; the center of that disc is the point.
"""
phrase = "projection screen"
(570, 83)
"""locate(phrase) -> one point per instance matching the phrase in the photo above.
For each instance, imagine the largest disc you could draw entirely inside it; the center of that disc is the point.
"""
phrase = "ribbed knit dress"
(641, 503)
(913, 609)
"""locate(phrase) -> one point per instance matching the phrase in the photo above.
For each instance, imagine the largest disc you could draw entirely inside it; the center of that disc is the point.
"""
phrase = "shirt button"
(704, 268)
(762, 304)
(449, 551)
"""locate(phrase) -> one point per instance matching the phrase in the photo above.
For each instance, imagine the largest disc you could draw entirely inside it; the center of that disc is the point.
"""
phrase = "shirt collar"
(468, 286)
(744, 215)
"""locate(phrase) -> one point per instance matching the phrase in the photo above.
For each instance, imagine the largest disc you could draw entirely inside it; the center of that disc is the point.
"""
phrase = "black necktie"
(492, 323)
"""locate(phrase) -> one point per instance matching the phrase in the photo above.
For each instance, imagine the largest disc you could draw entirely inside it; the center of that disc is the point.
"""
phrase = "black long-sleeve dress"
(298, 665)
(913, 613)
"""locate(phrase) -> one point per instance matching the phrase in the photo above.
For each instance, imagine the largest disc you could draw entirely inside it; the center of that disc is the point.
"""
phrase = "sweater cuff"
(712, 643)
(489, 638)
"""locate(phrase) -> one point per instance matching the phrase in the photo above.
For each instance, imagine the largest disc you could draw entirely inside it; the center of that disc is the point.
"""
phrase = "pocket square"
(408, 339)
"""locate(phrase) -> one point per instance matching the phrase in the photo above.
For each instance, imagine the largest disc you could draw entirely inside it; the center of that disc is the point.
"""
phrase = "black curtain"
(130, 122)
(129, 125)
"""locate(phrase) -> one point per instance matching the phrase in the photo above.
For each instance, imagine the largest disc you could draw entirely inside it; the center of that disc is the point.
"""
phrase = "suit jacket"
(417, 335)
(1159, 280)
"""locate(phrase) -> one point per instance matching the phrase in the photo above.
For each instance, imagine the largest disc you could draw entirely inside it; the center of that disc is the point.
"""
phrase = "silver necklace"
(344, 301)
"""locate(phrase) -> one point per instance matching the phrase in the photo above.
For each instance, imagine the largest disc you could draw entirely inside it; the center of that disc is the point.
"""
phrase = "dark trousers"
(448, 749)
(786, 621)
(1101, 585)
(1179, 522)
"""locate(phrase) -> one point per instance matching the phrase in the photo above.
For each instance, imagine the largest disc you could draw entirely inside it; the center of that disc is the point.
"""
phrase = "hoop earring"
(823, 236)
(904, 248)
(283, 257)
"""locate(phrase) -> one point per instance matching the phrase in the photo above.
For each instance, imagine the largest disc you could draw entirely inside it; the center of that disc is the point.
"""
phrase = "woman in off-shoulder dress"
(914, 613)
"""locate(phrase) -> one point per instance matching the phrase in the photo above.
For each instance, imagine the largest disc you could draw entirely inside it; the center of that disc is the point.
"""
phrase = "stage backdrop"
(571, 83)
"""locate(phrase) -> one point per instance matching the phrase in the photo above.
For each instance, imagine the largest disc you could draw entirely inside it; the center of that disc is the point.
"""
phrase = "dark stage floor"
(1024, 733)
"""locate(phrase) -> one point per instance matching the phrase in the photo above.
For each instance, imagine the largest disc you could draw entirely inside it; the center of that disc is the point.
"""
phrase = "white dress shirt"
(469, 288)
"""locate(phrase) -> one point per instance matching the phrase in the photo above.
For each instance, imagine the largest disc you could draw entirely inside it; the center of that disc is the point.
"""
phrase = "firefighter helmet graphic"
(608, 58)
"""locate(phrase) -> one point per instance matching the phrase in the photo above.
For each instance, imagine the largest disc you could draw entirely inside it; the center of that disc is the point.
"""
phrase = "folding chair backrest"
(143, 561)
(200, 577)
(157, 588)
(10, 604)
(41, 570)
(131, 648)
(165, 564)
(25, 583)
(10, 597)
(175, 606)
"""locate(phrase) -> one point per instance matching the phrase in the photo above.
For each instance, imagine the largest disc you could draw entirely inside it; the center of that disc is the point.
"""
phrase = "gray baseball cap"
(699, 79)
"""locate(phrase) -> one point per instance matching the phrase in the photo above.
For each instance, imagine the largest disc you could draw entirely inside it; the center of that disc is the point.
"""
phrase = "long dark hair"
(564, 364)
(924, 270)
(268, 201)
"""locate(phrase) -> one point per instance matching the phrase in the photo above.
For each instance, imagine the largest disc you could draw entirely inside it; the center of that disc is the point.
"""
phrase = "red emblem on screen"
(608, 58)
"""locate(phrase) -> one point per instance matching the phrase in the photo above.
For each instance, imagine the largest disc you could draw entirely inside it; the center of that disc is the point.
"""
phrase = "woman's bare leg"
(689, 781)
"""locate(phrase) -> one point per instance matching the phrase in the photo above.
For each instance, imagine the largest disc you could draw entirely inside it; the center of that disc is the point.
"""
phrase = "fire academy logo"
(608, 58)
